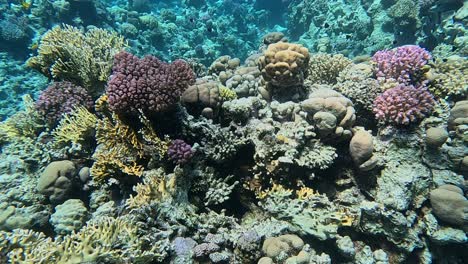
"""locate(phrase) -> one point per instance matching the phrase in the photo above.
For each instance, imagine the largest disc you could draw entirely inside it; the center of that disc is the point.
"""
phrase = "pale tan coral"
(66, 53)
(284, 64)
(449, 77)
(325, 68)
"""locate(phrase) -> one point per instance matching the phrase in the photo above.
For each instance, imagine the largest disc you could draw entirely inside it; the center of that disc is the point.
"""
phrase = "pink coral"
(60, 98)
(400, 64)
(146, 84)
(403, 104)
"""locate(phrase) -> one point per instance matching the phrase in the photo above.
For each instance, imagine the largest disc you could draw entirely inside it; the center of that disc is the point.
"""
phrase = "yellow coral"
(226, 94)
(23, 124)
(275, 189)
(304, 193)
(66, 53)
(325, 68)
(155, 187)
(74, 126)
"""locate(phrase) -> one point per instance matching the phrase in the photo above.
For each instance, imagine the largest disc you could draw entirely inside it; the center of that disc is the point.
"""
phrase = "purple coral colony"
(222, 131)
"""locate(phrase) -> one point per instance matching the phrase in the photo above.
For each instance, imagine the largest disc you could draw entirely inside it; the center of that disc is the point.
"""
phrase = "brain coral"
(284, 64)
(146, 84)
(403, 104)
(400, 65)
(60, 98)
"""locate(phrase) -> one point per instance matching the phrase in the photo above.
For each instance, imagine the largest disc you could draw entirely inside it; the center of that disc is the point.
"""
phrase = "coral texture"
(284, 64)
(325, 68)
(146, 84)
(179, 151)
(400, 65)
(61, 98)
(403, 104)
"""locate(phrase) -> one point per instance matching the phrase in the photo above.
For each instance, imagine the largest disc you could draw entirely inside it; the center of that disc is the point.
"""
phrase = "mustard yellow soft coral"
(155, 187)
(99, 238)
(226, 94)
(67, 53)
(23, 124)
(74, 126)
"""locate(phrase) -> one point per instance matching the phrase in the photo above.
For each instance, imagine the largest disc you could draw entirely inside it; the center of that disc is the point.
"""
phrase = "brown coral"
(284, 64)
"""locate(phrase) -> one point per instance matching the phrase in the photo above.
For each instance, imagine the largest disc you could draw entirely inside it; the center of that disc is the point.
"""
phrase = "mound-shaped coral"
(284, 64)
(403, 104)
(179, 151)
(331, 113)
(61, 98)
(69, 216)
(450, 205)
(146, 84)
(325, 68)
(449, 77)
(56, 180)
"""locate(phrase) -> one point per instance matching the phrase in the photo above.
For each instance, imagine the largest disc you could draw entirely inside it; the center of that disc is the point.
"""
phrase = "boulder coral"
(284, 64)
(56, 180)
(450, 205)
(330, 112)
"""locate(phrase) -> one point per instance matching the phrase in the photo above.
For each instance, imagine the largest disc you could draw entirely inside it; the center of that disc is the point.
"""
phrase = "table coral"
(147, 84)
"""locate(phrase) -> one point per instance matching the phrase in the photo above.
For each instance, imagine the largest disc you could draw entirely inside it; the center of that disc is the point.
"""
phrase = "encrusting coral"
(66, 53)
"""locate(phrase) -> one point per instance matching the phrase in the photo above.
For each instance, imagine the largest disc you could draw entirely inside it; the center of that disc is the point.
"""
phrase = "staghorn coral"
(325, 68)
(284, 64)
(75, 126)
(66, 53)
(61, 98)
(213, 187)
(147, 84)
(401, 65)
(403, 104)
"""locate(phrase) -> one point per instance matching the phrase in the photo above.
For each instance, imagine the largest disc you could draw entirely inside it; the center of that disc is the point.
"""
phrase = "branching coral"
(155, 187)
(74, 127)
(61, 98)
(103, 238)
(402, 65)
(403, 104)
(449, 77)
(66, 53)
(147, 84)
(23, 124)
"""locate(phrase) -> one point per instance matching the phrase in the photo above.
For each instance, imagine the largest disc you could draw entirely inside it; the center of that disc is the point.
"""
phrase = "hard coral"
(403, 104)
(284, 64)
(400, 65)
(146, 84)
(61, 98)
(179, 151)
(66, 53)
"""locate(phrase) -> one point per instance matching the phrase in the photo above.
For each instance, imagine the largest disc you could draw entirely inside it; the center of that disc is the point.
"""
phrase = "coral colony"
(219, 131)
